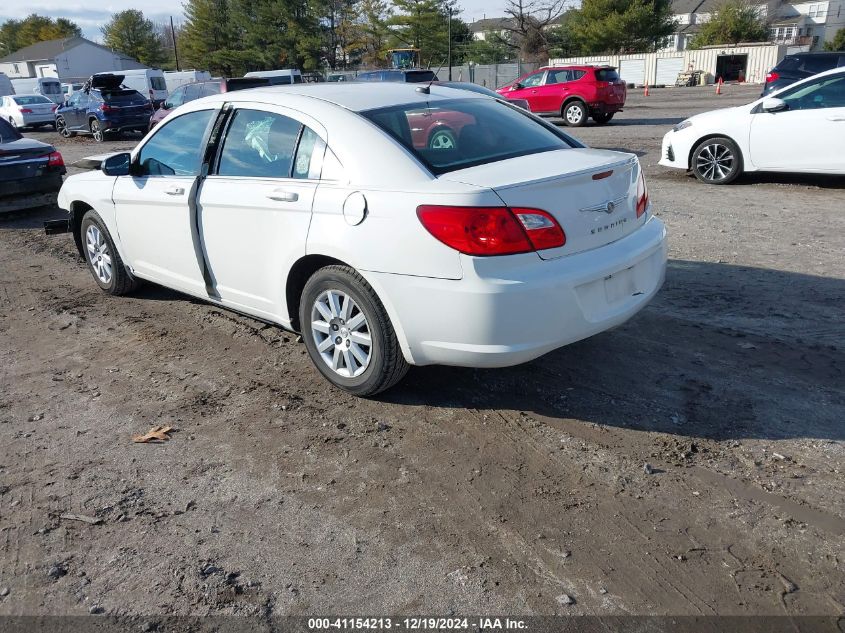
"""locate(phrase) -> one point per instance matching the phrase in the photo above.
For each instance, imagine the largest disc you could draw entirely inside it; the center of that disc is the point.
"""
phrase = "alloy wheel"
(341, 333)
(98, 254)
(61, 127)
(442, 139)
(574, 114)
(96, 130)
(714, 162)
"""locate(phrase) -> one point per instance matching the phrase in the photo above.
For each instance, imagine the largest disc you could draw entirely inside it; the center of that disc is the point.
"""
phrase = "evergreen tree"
(620, 26)
(837, 43)
(207, 38)
(130, 33)
(733, 22)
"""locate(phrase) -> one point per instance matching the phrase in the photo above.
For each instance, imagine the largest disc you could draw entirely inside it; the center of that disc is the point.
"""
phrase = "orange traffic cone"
(719, 86)
(645, 91)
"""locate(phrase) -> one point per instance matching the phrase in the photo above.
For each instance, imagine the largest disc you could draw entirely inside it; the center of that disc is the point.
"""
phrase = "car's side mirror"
(117, 165)
(774, 105)
(517, 86)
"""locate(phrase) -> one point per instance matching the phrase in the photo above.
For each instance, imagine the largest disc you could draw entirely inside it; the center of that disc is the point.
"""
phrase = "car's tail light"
(642, 194)
(772, 76)
(105, 107)
(485, 231)
(55, 160)
(25, 110)
(55, 107)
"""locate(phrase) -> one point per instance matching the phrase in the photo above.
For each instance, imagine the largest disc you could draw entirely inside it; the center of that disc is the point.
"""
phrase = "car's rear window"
(8, 133)
(121, 96)
(31, 100)
(607, 74)
(817, 64)
(417, 76)
(456, 134)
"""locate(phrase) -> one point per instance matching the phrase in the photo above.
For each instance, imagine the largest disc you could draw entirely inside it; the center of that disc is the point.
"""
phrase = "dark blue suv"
(101, 107)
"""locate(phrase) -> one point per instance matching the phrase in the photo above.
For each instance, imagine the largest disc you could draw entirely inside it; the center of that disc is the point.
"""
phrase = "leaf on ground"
(155, 435)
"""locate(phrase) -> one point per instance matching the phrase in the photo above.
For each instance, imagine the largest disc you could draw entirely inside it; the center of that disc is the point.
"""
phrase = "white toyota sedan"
(800, 128)
(391, 225)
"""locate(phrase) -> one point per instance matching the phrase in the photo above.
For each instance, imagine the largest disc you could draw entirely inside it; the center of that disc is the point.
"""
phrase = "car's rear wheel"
(575, 113)
(96, 130)
(603, 118)
(348, 334)
(717, 161)
(62, 128)
(103, 259)
(443, 138)
(13, 124)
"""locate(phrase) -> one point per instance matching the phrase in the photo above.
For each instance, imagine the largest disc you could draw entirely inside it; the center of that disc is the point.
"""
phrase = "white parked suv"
(337, 210)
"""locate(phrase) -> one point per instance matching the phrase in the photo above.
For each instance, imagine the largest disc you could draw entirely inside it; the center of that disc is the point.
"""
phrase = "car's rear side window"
(455, 134)
(607, 74)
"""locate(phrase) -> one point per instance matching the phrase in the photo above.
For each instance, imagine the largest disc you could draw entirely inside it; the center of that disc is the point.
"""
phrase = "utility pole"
(175, 50)
(449, 53)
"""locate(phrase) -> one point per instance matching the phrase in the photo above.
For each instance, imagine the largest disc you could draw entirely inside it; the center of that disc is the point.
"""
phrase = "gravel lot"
(460, 491)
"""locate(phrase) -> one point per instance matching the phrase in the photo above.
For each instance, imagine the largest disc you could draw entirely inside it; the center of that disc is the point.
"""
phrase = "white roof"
(350, 95)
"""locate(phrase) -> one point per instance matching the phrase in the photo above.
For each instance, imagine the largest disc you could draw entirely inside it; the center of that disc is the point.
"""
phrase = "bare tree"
(528, 24)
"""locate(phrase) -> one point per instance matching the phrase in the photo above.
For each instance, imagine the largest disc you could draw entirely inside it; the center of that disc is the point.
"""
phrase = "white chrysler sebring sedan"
(390, 225)
(800, 128)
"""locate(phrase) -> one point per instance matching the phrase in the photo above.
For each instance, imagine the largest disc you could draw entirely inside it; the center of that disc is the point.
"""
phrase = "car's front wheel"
(348, 334)
(717, 161)
(575, 113)
(62, 128)
(103, 259)
(96, 130)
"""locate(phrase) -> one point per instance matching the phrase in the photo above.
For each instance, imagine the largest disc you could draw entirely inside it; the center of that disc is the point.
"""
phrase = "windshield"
(31, 100)
(8, 133)
(51, 88)
(456, 134)
(158, 83)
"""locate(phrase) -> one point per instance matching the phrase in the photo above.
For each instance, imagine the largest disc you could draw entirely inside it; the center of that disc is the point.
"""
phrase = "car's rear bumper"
(509, 310)
(605, 108)
(129, 123)
(38, 119)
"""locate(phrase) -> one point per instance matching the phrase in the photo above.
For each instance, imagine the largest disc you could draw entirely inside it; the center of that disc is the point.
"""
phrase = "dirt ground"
(461, 491)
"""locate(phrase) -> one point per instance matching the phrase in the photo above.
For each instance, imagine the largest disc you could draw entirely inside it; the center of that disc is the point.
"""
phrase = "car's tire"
(335, 332)
(603, 118)
(102, 257)
(96, 130)
(442, 138)
(62, 128)
(574, 113)
(716, 161)
(13, 124)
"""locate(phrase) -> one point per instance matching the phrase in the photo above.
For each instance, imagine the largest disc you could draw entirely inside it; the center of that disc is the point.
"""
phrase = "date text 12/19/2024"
(416, 624)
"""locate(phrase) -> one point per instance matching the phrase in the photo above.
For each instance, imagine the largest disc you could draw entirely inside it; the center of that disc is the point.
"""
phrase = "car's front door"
(76, 106)
(550, 96)
(255, 205)
(528, 89)
(809, 134)
(156, 218)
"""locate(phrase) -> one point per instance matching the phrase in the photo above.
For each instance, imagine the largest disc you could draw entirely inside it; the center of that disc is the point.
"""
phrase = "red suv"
(571, 92)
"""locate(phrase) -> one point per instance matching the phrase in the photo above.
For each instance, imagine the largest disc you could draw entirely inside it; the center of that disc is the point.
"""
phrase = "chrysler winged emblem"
(605, 207)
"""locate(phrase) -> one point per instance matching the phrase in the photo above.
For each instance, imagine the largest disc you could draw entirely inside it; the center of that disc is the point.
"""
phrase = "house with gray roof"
(68, 59)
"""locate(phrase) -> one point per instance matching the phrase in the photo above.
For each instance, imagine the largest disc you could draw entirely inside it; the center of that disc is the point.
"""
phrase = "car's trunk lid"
(23, 158)
(591, 193)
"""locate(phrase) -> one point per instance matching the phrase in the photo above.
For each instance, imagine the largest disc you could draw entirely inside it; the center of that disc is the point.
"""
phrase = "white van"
(176, 78)
(50, 87)
(6, 87)
(148, 81)
(275, 77)
(69, 88)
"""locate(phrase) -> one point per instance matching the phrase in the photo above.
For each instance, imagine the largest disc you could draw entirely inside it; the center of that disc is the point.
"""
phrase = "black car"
(200, 89)
(30, 171)
(103, 106)
(799, 66)
(407, 76)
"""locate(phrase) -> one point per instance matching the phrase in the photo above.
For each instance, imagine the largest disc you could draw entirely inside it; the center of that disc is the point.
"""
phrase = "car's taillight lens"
(486, 231)
(772, 76)
(105, 107)
(642, 194)
(55, 160)
(25, 110)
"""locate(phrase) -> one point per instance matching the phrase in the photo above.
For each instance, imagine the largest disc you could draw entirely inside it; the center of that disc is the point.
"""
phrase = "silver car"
(27, 110)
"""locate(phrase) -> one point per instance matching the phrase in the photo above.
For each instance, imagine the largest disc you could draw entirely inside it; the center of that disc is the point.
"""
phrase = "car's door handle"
(283, 196)
(174, 191)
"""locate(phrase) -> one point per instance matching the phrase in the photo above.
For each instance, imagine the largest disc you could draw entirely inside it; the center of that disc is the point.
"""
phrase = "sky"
(91, 19)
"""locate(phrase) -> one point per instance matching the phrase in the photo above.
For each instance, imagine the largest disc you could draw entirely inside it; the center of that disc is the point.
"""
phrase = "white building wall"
(85, 60)
(761, 58)
(18, 70)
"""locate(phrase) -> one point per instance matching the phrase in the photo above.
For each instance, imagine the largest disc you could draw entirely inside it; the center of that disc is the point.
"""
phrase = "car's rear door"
(255, 205)
(809, 134)
(154, 206)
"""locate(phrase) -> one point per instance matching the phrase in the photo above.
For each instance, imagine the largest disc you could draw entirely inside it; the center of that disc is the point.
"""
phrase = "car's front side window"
(259, 144)
(826, 92)
(533, 80)
(176, 148)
